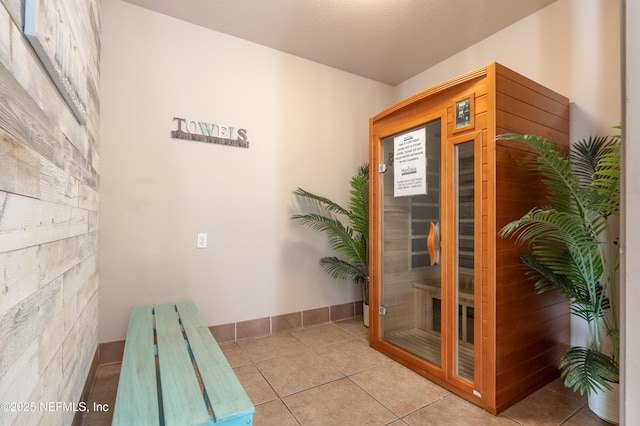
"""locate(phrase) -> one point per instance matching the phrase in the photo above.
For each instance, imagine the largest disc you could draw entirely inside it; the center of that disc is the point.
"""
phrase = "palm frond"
(350, 240)
(320, 223)
(584, 157)
(342, 270)
(552, 164)
(359, 202)
(545, 278)
(341, 237)
(321, 203)
(606, 181)
(570, 246)
(586, 370)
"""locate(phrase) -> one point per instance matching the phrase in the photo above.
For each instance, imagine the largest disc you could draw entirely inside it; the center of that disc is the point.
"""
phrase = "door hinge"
(382, 310)
(382, 168)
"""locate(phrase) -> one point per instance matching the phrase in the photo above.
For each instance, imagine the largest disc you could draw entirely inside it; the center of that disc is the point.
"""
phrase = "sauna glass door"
(461, 237)
(429, 237)
(411, 225)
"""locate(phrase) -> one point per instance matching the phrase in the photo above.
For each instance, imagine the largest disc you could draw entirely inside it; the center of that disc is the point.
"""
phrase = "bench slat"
(137, 395)
(229, 401)
(183, 404)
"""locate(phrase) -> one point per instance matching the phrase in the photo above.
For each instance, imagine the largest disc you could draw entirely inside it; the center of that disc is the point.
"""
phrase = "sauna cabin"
(449, 297)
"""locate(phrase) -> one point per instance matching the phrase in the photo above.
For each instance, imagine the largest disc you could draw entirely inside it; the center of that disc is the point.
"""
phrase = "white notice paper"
(410, 163)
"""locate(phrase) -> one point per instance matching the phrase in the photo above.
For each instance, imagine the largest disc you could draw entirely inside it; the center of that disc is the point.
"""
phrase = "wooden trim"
(374, 229)
(111, 352)
(488, 282)
(473, 75)
(88, 386)
(452, 304)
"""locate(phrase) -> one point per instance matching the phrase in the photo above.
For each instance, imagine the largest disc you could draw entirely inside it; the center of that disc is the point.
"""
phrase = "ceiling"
(384, 40)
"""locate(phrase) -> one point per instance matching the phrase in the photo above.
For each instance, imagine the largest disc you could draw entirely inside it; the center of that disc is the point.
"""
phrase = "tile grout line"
(278, 397)
(344, 374)
(311, 345)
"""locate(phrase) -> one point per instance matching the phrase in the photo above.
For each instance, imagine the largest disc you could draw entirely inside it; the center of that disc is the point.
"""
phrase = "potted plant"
(574, 250)
(349, 239)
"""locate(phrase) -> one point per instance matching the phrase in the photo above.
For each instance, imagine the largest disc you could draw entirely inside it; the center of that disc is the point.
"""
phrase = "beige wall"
(572, 47)
(48, 225)
(307, 125)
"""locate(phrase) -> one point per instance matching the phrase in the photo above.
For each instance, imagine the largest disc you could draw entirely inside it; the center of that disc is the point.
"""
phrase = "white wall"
(307, 125)
(630, 390)
(572, 47)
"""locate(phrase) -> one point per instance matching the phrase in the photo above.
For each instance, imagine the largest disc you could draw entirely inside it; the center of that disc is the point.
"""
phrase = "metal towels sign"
(201, 131)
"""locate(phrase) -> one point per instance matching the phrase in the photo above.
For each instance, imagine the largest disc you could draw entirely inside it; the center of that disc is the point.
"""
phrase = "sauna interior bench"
(174, 373)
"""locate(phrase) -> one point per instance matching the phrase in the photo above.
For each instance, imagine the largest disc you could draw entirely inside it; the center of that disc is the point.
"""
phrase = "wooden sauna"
(449, 297)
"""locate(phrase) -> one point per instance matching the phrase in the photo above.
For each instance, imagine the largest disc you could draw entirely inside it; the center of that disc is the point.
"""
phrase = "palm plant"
(349, 240)
(573, 248)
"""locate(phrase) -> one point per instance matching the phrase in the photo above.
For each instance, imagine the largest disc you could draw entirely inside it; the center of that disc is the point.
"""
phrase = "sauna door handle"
(433, 243)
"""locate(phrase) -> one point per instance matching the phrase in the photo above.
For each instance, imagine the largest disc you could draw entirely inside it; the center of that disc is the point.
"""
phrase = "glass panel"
(464, 208)
(411, 289)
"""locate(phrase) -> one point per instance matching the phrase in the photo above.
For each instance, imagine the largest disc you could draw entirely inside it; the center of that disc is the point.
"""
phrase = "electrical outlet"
(202, 241)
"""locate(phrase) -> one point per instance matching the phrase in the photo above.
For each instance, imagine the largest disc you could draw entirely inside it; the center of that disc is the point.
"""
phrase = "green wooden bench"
(174, 373)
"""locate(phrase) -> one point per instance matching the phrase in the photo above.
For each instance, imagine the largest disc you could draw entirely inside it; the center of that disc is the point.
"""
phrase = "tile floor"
(328, 375)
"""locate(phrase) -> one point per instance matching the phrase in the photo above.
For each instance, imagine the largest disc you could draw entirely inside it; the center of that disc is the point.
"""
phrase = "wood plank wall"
(49, 178)
(526, 323)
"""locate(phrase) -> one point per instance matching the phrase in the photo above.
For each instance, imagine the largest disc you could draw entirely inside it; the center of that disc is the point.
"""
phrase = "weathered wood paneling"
(48, 222)
(19, 276)
(28, 221)
(20, 330)
(20, 167)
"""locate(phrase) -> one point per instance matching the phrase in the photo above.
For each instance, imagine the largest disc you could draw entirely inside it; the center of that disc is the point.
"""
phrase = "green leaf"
(589, 371)
(571, 246)
(347, 229)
